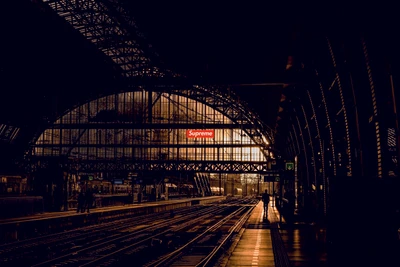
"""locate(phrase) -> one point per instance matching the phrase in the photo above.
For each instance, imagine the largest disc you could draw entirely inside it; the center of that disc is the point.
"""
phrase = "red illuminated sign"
(199, 133)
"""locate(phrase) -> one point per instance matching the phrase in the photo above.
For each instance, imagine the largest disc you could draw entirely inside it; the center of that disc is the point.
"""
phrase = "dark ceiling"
(223, 43)
(44, 64)
(51, 63)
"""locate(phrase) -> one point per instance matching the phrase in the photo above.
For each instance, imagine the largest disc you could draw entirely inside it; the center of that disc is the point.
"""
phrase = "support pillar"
(233, 185)
(220, 183)
(65, 190)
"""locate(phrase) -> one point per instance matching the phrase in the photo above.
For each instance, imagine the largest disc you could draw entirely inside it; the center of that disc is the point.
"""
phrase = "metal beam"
(165, 166)
(130, 125)
(154, 145)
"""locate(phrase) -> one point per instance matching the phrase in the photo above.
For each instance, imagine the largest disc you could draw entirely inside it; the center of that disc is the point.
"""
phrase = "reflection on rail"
(160, 239)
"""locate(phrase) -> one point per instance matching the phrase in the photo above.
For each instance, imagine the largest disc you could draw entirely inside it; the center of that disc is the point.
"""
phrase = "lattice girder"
(232, 109)
(110, 28)
(139, 166)
(104, 23)
(101, 22)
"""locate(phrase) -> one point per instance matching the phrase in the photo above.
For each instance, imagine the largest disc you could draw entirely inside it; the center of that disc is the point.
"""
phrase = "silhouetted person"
(57, 198)
(81, 202)
(89, 200)
(139, 197)
(265, 199)
(153, 194)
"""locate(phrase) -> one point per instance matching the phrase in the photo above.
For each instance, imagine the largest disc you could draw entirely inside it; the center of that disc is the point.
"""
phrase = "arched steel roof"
(243, 149)
(110, 28)
(221, 101)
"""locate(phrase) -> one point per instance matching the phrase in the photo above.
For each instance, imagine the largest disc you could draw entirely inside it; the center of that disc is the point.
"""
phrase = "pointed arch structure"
(143, 127)
(143, 130)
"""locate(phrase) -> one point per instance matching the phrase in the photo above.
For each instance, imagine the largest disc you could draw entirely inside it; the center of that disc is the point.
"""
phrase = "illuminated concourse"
(148, 127)
(152, 136)
(183, 137)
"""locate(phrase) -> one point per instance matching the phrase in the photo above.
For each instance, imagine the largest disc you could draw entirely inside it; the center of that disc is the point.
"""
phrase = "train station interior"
(147, 134)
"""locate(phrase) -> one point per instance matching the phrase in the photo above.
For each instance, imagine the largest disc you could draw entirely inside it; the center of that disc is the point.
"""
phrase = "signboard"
(199, 133)
(271, 177)
(289, 166)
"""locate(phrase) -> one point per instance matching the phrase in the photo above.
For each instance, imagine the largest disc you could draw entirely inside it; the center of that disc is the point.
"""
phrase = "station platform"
(263, 242)
(17, 228)
(254, 244)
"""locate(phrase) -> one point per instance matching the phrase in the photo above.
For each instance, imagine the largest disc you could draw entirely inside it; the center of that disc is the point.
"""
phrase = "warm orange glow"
(128, 107)
(199, 133)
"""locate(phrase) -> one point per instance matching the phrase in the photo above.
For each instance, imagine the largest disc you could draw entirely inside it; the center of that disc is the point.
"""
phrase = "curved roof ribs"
(233, 110)
(8, 133)
(107, 25)
(232, 165)
(223, 103)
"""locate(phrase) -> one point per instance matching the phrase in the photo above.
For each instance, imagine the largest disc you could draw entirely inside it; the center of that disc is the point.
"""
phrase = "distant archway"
(147, 130)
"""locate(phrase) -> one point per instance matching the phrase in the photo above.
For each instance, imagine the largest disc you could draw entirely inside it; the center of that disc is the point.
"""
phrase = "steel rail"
(185, 224)
(173, 254)
(88, 230)
(119, 238)
(238, 225)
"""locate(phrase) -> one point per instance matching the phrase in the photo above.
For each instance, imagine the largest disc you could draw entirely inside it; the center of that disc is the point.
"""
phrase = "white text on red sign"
(199, 133)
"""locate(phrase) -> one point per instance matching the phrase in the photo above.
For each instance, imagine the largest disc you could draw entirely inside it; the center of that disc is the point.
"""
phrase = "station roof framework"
(146, 130)
(82, 133)
(113, 31)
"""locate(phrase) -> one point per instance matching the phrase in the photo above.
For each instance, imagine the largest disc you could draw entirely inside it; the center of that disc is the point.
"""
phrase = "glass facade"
(143, 125)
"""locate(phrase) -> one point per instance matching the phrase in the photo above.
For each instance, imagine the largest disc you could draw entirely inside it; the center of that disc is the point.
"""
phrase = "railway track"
(205, 248)
(198, 241)
(113, 243)
(139, 239)
(32, 250)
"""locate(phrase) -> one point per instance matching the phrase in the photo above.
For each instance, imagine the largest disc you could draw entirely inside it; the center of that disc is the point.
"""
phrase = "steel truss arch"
(224, 106)
(109, 27)
(234, 110)
(113, 31)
